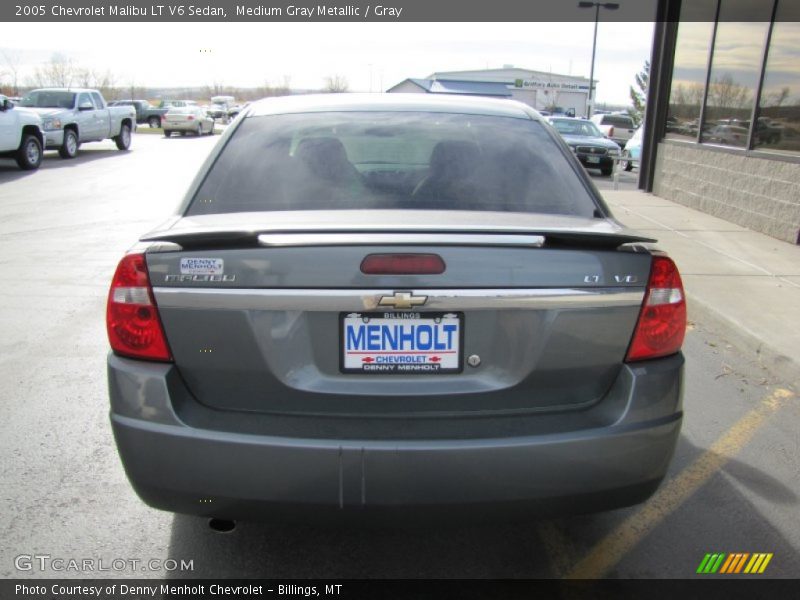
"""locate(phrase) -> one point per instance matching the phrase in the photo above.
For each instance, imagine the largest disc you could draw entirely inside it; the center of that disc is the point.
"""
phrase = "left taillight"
(132, 320)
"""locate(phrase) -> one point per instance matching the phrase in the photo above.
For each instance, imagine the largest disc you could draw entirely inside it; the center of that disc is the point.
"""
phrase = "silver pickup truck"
(21, 135)
(73, 116)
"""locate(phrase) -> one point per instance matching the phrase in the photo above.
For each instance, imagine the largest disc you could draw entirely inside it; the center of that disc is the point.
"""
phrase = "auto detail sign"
(540, 84)
(401, 342)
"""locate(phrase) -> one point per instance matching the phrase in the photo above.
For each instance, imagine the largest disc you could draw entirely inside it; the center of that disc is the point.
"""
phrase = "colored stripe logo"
(734, 563)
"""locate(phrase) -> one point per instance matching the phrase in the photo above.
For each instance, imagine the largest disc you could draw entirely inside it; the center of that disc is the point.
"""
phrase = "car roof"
(63, 89)
(392, 103)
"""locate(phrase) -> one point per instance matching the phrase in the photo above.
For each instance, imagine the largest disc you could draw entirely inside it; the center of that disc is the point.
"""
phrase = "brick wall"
(758, 193)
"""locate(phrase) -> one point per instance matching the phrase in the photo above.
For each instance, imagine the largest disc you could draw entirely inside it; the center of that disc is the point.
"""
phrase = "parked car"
(618, 127)
(593, 149)
(769, 131)
(233, 111)
(189, 119)
(370, 303)
(633, 150)
(733, 135)
(145, 112)
(217, 111)
(177, 103)
(72, 117)
(21, 136)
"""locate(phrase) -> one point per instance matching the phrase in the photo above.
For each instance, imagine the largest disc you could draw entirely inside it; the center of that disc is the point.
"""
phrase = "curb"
(785, 368)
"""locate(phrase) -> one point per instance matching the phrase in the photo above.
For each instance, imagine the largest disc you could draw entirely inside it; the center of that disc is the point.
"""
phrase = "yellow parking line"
(610, 550)
(560, 551)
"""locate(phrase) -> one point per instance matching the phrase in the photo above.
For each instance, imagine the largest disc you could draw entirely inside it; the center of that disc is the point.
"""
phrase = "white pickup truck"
(73, 116)
(616, 126)
(21, 136)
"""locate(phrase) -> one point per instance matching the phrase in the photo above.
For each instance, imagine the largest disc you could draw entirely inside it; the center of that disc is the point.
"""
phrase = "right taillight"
(134, 327)
(662, 320)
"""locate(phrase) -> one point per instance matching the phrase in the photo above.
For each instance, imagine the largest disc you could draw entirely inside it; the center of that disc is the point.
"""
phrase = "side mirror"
(6, 105)
(86, 106)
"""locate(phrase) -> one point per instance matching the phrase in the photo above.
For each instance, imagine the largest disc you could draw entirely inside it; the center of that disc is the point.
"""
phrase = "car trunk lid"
(256, 310)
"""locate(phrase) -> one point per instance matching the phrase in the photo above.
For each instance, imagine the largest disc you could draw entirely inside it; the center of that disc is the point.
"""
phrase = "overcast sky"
(372, 56)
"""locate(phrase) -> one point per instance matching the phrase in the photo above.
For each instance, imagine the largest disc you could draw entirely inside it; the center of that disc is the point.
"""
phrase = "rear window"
(391, 160)
(576, 127)
(618, 121)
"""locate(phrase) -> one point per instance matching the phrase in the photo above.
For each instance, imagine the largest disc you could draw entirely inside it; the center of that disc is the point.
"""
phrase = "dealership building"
(541, 90)
(722, 127)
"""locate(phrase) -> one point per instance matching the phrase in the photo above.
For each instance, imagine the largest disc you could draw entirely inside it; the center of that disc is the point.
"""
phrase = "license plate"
(593, 159)
(408, 343)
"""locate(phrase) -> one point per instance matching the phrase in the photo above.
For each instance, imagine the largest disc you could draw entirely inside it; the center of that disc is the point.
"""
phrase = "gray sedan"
(187, 119)
(374, 303)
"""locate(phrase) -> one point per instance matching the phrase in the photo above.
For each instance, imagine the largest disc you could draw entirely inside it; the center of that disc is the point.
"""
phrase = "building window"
(735, 71)
(690, 69)
(778, 123)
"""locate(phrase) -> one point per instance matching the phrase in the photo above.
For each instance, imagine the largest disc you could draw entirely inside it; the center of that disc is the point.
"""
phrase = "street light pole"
(590, 108)
(596, 6)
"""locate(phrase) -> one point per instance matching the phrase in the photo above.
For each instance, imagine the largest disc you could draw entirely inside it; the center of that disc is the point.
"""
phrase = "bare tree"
(685, 100)
(268, 89)
(725, 93)
(104, 81)
(336, 84)
(776, 98)
(217, 88)
(11, 60)
(59, 72)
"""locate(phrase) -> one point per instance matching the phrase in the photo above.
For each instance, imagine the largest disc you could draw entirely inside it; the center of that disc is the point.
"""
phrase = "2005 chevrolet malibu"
(401, 301)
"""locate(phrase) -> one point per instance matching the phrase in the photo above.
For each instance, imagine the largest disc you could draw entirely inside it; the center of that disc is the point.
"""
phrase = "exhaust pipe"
(221, 525)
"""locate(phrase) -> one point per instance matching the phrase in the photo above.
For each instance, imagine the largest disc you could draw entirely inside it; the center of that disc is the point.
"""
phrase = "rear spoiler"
(216, 238)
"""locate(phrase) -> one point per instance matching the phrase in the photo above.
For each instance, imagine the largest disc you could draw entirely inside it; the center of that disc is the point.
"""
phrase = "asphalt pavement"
(733, 485)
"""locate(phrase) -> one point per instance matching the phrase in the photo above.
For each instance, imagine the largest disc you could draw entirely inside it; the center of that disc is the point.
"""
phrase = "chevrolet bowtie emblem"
(402, 300)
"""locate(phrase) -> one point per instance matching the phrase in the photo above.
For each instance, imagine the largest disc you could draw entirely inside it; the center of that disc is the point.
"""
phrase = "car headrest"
(454, 159)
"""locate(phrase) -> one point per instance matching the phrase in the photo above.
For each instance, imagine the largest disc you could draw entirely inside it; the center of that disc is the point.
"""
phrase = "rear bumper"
(180, 125)
(175, 467)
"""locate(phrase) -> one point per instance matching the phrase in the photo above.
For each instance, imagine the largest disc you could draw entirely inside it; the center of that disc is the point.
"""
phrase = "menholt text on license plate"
(401, 342)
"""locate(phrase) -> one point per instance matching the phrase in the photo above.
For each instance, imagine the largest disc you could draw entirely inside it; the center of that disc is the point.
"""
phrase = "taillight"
(611, 131)
(132, 321)
(662, 320)
(402, 264)
(190, 118)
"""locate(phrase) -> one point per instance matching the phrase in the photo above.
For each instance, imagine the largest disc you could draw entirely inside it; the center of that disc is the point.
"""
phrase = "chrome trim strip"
(404, 239)
(355, 300)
